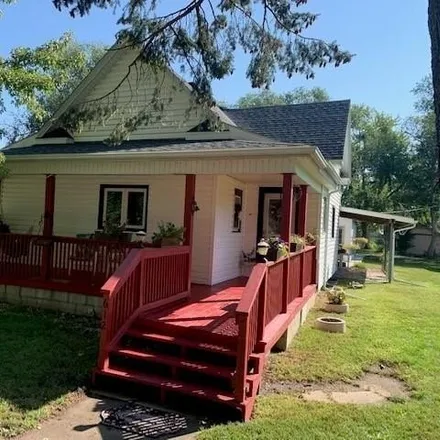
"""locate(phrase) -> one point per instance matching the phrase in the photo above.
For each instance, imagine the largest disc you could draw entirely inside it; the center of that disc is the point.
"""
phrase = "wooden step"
(202, 392)
(167, 339)
(199, 367)
(195, 334)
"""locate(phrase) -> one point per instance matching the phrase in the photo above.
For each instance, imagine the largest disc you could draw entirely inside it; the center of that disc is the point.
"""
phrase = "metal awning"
(394, 223)
(363, 215)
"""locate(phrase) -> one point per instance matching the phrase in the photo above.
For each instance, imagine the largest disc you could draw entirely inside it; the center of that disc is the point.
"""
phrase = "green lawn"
(44, 358)
(396, 324)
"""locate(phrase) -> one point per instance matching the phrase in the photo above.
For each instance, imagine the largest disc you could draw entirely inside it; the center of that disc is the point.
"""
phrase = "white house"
(145, 174)
(257, 172)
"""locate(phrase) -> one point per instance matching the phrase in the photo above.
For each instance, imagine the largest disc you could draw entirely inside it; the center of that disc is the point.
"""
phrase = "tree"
(434, 32)
(203, 36)
(423, 194)
(40, 79)
(298, 95)
(381, 162)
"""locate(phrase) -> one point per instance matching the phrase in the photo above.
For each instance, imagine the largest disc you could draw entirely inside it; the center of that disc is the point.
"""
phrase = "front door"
(269, 213)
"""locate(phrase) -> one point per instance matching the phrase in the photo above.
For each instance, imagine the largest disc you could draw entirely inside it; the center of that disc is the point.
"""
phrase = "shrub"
(336, 295)
(361, 242)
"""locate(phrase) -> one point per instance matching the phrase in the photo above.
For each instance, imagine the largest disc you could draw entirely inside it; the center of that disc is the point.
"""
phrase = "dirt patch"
(378, 385)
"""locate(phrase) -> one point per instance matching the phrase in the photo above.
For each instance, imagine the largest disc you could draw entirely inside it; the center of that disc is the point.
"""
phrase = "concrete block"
(285, 340)
(76, 298)
(59, 296)
(66, 307)
(27, 292)
(43, 294)
(94, 301)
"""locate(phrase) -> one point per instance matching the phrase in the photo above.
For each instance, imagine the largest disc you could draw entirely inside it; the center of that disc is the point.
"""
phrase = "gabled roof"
(321, 124)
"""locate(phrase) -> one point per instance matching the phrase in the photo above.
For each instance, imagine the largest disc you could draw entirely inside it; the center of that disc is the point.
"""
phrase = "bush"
(361, 242)
(404, 242)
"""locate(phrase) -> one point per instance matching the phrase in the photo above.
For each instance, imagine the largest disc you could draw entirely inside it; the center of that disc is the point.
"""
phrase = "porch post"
(49, 208)
(302, 211)
(286, 222)
(188, 218)
(286, 207)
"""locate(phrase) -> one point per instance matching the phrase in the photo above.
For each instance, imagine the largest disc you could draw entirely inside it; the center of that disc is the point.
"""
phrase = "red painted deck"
(212, 309)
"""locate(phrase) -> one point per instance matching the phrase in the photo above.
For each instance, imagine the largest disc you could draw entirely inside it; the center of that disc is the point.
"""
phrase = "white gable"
(134, 95)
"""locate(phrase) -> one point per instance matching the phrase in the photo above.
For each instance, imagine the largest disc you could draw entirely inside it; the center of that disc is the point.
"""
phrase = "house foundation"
(287, 337)
(73, 303)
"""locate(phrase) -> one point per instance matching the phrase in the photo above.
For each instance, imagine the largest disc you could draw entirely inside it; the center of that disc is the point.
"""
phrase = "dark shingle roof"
(141, 146)
(322, 124)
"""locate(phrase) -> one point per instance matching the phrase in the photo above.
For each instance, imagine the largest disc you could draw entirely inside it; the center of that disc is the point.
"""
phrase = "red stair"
(184, 361)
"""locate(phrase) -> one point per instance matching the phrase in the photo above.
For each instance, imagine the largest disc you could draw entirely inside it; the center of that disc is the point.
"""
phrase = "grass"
(44, 358)
(395, 324)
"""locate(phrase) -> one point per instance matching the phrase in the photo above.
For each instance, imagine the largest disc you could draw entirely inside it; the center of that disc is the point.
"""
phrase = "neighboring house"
(347, 231)
(268, 171)
(420, 241)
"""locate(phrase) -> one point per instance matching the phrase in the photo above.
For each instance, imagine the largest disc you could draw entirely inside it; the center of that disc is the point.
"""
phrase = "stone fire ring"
(330, 324)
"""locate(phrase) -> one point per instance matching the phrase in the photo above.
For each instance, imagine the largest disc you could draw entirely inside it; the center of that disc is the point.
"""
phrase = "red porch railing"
(74, 264)
(270, 287)
(147, 278)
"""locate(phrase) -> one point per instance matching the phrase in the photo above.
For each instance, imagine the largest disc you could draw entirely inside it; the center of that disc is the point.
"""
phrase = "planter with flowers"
(336, 300)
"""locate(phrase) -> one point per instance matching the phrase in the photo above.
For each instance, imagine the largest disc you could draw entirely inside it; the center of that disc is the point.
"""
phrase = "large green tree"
(39, 79)
(381, 162)
(203, 38)
(298, 95)
(423, 195)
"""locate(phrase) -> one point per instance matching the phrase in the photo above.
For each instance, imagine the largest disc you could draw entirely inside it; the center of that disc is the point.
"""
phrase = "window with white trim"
(126, 205)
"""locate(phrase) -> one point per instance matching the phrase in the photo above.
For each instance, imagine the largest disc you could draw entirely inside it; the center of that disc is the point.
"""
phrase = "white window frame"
(124, 205)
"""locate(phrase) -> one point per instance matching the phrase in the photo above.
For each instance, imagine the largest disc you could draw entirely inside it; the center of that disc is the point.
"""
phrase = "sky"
(389, 37)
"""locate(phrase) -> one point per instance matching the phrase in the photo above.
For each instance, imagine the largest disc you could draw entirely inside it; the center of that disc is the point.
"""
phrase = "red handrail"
(268, 293)
(147, 277)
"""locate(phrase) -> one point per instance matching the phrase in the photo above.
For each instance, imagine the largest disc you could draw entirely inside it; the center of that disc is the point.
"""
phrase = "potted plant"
(297, 243)
(336, 300)
(277, 249)
(168, 234)
(112, 230)
(310, 239)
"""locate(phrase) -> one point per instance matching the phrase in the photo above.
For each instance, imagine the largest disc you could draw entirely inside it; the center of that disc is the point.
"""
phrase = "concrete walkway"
(82, 422)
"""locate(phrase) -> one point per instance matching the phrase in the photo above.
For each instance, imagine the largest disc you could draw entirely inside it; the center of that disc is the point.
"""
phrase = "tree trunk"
(434, 233)
(434, 32)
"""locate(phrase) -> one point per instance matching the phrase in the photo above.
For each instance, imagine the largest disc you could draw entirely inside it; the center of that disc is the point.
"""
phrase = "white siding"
(77, 201)
(134, 95)
(227, 244)
(250, 217)
(328, 252)
(346, 226)
(23, 203)
(313, 212)
(204, 230)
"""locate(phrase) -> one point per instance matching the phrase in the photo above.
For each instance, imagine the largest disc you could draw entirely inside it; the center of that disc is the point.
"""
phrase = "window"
(333, 222)
(238, 206)
(124, 205)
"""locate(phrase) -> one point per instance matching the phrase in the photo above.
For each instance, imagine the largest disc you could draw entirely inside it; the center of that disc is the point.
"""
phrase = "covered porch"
(181, 320)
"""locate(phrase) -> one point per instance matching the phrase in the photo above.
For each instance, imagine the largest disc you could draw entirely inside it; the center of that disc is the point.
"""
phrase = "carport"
(392, 224)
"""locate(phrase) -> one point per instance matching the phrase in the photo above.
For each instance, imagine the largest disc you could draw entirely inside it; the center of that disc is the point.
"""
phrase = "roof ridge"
(226, 109)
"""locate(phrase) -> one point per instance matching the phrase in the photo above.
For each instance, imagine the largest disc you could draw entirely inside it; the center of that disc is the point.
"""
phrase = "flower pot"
(170, 242)
(296, 247)
(336, 308)
(330, 324)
